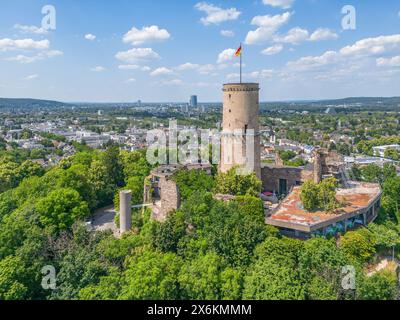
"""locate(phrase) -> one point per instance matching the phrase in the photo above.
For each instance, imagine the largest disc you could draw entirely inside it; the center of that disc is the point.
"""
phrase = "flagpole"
(241, 52)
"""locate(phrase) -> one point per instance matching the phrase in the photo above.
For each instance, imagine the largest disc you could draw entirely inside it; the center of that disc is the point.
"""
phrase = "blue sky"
(166, 50)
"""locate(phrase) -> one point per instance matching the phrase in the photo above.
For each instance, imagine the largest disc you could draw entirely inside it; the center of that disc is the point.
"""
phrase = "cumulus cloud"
(90, 37)
(272, 50)
(98, 69)
(161, 72)
(188, 66)
(284, 4)
(31, 77)
(267, 27)
(226, 55)
(323, 34)
(146, 34)
(388, 62)
(137, 54)
(372, 46)
(294, 36)
(216, 15)
(261, 74)
(363, 49)
(7, 44)
(128, 67)
(30, 29)
(40, 56)
(227, 33)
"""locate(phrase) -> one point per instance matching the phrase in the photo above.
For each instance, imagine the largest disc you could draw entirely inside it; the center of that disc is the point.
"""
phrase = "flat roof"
(291, 214)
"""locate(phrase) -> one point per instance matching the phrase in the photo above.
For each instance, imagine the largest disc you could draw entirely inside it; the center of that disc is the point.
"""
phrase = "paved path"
(103, 219)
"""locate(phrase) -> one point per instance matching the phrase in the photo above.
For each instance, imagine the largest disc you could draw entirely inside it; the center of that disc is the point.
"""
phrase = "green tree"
(359, 245)
(383, 285)
(190, 181)
(274, 274)
(61, 208)
(151, 276)
(320, 196)
(237, 184)
(310, 196)
(200, 279)
(13, 279)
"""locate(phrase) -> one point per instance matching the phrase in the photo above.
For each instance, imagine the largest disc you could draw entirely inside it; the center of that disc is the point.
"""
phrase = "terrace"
(361, 206)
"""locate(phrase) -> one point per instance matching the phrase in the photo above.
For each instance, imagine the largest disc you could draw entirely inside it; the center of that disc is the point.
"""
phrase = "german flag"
(239, 52)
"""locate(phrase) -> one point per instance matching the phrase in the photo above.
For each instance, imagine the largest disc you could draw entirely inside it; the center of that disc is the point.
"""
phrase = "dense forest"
(207, 249)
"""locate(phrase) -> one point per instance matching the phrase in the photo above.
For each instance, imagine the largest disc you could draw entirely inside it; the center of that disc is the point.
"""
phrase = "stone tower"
(240, 141)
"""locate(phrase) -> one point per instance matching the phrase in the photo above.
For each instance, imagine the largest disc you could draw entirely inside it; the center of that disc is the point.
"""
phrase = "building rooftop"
(291, 214)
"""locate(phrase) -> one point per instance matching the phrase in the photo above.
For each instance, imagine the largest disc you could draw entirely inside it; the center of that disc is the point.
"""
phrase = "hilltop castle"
(240, 129)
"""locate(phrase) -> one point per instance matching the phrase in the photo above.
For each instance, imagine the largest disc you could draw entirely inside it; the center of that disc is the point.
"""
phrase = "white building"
(380, 150)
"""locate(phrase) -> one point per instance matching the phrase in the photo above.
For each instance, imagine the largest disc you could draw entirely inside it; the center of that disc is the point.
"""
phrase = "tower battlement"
(232, 87)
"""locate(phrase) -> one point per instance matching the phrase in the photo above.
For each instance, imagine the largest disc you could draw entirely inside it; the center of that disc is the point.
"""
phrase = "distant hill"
(30, 103)
(362, 100)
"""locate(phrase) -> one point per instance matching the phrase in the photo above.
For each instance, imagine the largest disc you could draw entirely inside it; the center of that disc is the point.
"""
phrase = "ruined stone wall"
(270, 176)
(170, 197)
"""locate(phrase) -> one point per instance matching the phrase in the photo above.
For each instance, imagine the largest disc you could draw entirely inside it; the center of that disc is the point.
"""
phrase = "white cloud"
(188, 66)
(284, 4)
(360, 50)
(98, 69)
(161, 72)
(146, 68)
(137, 54)
(272, 50)
(7, 44)
(175, 82)
(146, 34)
(268, 26)
(128, 67)
(90, 37)
(372, 46)
(40, 56)
(206, 69)
(262, 74)
(226, 55)
(130, 80)
(294, 36)
(388, 62)
(323, 34)
(30, 29)
(312, 62)
(216, 15)
(227, 33)
(31, 77)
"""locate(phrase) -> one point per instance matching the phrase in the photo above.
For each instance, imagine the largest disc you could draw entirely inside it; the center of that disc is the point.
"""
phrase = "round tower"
(240, 141)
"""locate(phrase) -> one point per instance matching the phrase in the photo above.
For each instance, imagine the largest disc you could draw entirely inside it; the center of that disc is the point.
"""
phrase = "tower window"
(230, 110)
(245, 129)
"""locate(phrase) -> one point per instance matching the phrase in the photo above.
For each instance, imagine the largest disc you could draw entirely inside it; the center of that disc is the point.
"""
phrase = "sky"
(167, 50)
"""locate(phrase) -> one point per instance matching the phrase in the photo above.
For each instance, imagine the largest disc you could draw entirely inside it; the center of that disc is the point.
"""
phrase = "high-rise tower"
(240, 141)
